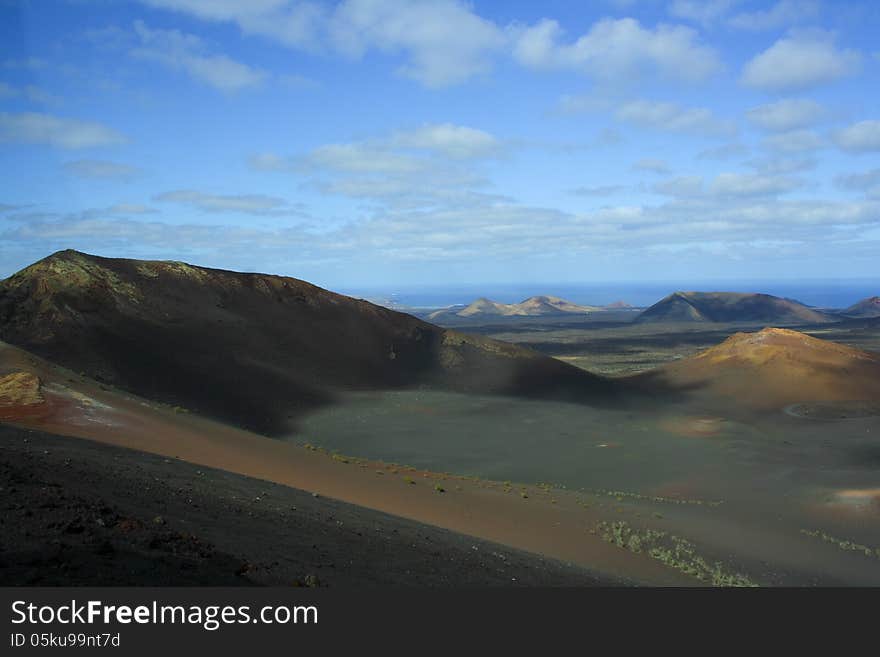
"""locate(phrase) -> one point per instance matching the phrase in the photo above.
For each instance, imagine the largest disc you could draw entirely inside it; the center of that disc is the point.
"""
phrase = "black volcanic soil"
(253, 350)
(80, 513)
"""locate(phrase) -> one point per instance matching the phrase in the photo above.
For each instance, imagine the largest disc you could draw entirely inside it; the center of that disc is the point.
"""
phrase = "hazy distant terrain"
(700, 450)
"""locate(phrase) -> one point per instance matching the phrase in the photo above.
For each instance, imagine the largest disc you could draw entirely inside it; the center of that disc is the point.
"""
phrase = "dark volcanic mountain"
(730, 307)
(869, 307)
(252, 349)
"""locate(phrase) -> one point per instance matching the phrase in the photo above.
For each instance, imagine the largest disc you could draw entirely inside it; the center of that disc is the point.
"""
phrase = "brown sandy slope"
(251, 349)
(553, 524)
(772, 368)
(112, 516)
(730, 307)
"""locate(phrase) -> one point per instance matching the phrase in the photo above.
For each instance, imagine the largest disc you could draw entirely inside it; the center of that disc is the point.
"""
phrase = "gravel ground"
(76, 512)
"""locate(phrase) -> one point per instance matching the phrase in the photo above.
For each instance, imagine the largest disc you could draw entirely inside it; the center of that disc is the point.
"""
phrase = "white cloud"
(432, 166)
(257, 204)
(800, 60)
(867, 182)
(675, 118)
(701, 11)
(444, 42)
(101, 169)
(35, 128)
(782, 164)
(130, 208)
(28, 63)
(727, 186)
(188, 53)
(680, 186)
(362, 158)
(619, 48)
(270, 162)
(745, 184)
(794, 141)
(784, 12)
(723, 152)
(428, 148)
(577, 104)
(861, 137)
(450, 140)
(652, 165)
(788, 114)
(597, 190)
(291, 23)
(727, 217)
(30, 93)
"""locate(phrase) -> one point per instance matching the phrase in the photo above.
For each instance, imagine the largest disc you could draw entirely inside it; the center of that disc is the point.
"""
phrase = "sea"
(818, 293)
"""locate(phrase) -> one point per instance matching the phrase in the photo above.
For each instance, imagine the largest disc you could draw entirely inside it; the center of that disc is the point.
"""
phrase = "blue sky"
(388, 143)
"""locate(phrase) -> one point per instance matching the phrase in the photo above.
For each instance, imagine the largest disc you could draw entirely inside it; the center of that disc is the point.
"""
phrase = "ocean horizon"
(819, 293)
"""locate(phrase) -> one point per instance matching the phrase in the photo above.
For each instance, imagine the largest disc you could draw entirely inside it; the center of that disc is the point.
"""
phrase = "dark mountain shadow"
(252, 349)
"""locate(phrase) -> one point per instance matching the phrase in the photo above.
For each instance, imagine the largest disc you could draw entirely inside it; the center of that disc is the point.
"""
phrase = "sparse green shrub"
(844, 544)
(673, 551)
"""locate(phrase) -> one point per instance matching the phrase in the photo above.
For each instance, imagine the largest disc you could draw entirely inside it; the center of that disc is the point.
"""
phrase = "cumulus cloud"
(785, 12)
(443, 42)
(794, 141)
(270, 162)
(450, 140)
(861, 137)
(652, 165)
(362, 158)
(446, 42)
(130, 208)
(597, 190)
(701, 11)
(801, 60)
(583, 103)
(730, 212)
(618, 48)
(744, 184)
(788, 114)
(416, 150)
(60, 132)
(256, 204)
(290, 23)
(727, 185)
(723, 152)
(29, 92)
(867, 182)
(782, 164)
(431, 166)
(101, 169)
(25, 64)
(675, 118)
(188, 53)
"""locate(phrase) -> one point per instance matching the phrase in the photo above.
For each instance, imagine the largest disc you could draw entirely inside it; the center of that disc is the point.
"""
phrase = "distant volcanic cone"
(772, 368)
